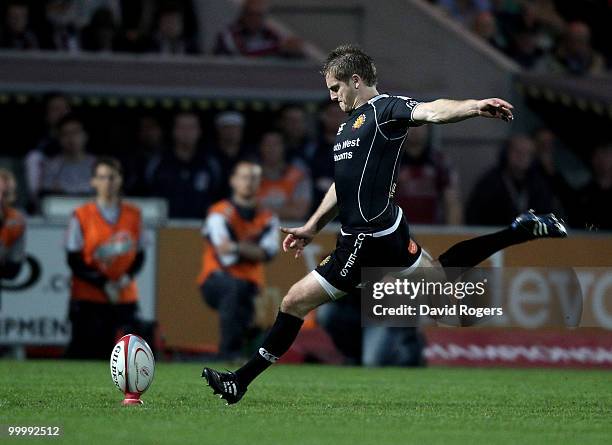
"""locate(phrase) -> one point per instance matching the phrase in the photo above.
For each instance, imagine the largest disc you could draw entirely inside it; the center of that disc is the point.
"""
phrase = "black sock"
(279, 339)
(467, 254)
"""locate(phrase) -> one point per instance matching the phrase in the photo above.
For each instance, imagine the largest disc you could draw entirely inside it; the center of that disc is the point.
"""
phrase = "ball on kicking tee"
(132, 367)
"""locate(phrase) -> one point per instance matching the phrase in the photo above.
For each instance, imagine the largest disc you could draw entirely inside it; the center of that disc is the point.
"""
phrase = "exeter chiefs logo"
(359, 122)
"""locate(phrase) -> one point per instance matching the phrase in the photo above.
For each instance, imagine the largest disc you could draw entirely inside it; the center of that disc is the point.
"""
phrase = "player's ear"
(356, 80)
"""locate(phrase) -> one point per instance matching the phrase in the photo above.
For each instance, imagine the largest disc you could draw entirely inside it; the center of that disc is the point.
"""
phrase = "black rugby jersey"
(367, 155)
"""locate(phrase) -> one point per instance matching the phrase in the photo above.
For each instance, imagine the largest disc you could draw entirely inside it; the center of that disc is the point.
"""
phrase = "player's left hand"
(495, 108)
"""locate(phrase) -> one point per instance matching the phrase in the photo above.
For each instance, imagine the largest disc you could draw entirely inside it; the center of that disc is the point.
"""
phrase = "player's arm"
(444, 111)
(300, 237)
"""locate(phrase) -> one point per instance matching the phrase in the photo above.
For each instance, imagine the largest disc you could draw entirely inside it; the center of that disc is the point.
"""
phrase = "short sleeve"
(270, 238)
(74, 236)
(217, 231)
(403, 108)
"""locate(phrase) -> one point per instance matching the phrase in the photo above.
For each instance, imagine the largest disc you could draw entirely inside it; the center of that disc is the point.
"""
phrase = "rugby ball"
(132, 366)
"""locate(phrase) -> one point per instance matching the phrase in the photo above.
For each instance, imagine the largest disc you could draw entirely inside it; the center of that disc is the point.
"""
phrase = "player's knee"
(294, 302)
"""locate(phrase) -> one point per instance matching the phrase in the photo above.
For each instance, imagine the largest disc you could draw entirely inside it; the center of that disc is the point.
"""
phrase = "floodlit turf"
(313, 405)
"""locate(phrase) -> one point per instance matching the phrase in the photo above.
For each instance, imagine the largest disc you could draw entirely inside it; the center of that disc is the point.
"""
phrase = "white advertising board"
(34, 306)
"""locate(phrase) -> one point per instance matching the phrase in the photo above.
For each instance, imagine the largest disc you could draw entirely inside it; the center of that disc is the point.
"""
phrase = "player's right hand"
(297, 239)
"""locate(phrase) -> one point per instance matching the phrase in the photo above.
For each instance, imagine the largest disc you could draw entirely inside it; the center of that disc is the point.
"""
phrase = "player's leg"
(304, 296)
(526, 227)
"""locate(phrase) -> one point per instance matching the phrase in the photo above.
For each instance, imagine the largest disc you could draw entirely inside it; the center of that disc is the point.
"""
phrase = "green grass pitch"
(313, 405)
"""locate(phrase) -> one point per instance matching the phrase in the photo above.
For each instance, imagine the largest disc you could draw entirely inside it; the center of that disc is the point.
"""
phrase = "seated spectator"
(574, 54)
(60, 30)
(68, 173)
(594, 210)
(369, 345)
(137, 18)
(229, 147)
(250, 36)
(240, 238)
(148, 145)
(56, 108)
(15, 33)
(169, 37)
(285, 187)
(293, 125)
(546, 163)
(427, 188)
(524, 49)
(186, 176)
(12, 228)
(320, 158)
(100, 34)
(464, 11)
(510, 188)
(485, 26)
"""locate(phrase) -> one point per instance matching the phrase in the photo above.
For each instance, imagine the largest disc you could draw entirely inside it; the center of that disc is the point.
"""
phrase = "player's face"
(245, 181)
(107, 182)
(341, 92)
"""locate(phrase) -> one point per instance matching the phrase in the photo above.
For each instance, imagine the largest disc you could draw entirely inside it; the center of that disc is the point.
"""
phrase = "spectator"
(427, 188)
(286, 188)
(229, 146)
(510, 188)
(105, 251)
(546, 160)
(293, 125)
(320, 159)
(12, 228)
(100, 34)
(56, 108)
(138, 18)
(60, 31)
(250, 36)
(464, 11)
(594, 209)
(369, 345)
(240, 237)
(574, 55)
(524, 48)
(68, 173)
(186, 176)
(170, 37)
(16, 33)
(148, 145)
(485, 27)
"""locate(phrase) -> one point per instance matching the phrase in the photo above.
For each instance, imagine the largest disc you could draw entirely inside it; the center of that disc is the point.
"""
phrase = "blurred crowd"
(168, 27)
(549, 36)
(175, 160)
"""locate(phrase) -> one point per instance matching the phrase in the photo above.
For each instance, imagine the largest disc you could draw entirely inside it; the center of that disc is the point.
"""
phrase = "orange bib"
(109, 248)
(242, 230)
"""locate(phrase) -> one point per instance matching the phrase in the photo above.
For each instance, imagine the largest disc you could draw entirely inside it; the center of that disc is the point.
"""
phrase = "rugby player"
(374, 232)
